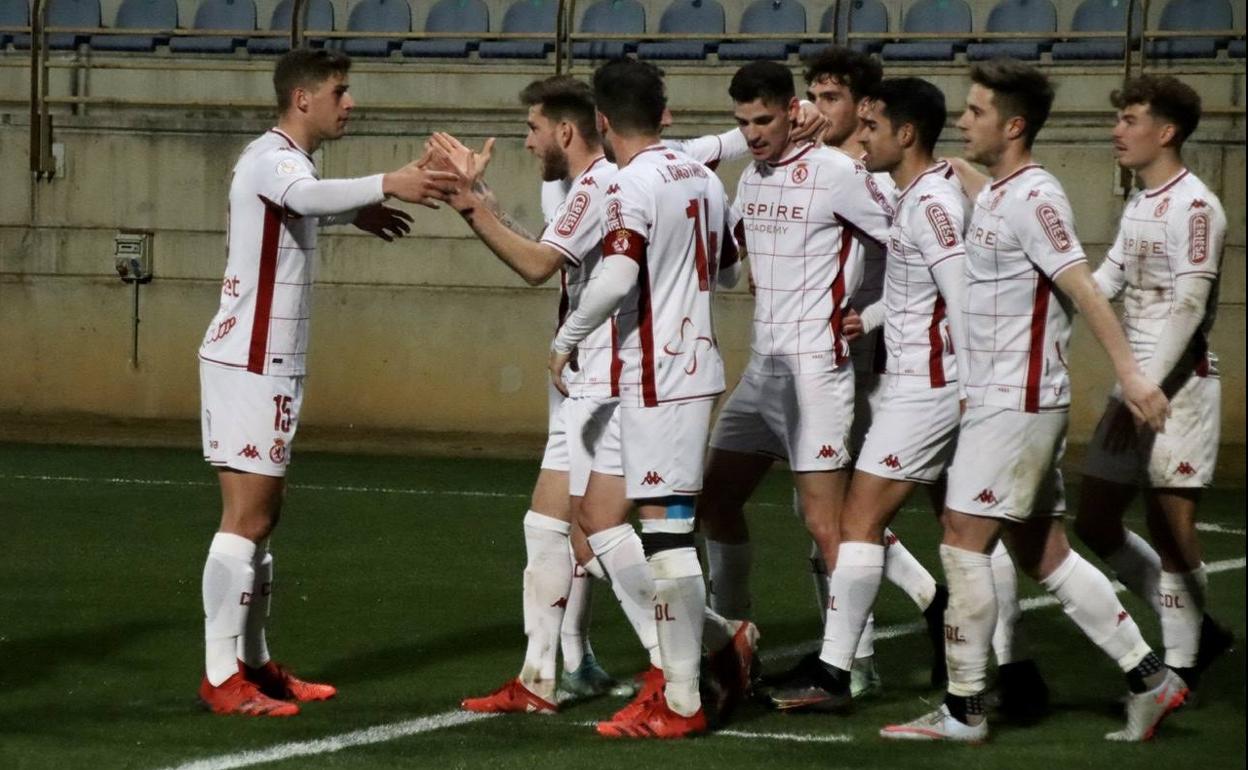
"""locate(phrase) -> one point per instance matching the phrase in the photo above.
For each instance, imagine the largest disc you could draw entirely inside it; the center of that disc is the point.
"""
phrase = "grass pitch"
(398, 579)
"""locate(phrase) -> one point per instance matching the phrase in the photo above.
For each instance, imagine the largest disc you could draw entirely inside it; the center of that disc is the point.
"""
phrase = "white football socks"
(1182, 599)
(1138, 567)
(620, 553)
(253, 648)
(680, 601)
(906, 572)
(228, 583)
(574, 631)
(1008, 642)
(969, 619)
(1088, 598)
(547, 579)
(729, 567)
(853, 586)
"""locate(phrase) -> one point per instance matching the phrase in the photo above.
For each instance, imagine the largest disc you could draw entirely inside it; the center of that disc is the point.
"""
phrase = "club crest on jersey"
(946, 235)
(287, 166)
(277, 453)
(800, 173)
(1162, 207)
(1053, 227)
(572, 217)
(997, 197)
(1198, 234)
(621, 243)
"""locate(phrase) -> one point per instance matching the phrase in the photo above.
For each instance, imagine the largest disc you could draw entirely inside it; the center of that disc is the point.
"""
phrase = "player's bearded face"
(983, 129)
(543, 142)
(1138, 136)
(766, 127)
(836, 104)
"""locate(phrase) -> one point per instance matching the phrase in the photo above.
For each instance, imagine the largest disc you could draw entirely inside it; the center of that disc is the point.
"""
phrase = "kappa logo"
(997, 197)
(250, 452)
(1185, 469)
(1122, 615)
(1033, 194)
(800, 173)
(1198, 235)
(588, 182)
(891, 461)
(986, 496)
(889, 538)
(1054, 228)
(669, 156)
(946, 234)
(825, 452)
(652, 479)
(1197, 204)
(561, 603)
(613, 189)
(277, 453)
(927, 197)
(572, 216)
(1162, 207)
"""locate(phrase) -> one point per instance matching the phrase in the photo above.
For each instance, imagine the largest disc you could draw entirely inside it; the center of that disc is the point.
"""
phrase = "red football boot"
(652, 684)
(236, 695)
(277, 681)
(732, 668)
(656, 721)
(511, 698)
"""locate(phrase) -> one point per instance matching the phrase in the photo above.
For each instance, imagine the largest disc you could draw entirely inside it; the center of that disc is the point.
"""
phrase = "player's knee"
(672, 532)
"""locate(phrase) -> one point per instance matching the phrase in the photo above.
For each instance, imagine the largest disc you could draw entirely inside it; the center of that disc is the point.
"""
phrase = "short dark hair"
(563, 97)
(1018, 90)
(1167, 97)
(770, 81)
(305, 68)
(855, 70)
(631, 94)
(914, 101)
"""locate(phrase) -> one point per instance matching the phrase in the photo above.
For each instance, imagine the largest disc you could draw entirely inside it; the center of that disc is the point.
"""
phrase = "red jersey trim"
(649, 389)
(838, 295)
(941, 166)
(1035, 356)
(1022, 170)
(617, 363)
(1167, 185)
(290, 142)
(265, 281)
(796, 157)
(935, 365)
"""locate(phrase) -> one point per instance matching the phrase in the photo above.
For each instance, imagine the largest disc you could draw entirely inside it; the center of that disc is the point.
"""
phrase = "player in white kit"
(668, 241)
(1025, 270)
(1166, 262)
(252, 361)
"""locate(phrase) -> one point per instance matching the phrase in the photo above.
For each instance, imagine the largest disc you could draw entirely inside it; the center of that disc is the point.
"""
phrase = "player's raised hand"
(420, 185)
(1147, 403)
(851, 325)
(455, 156)
(557, 363)
(384, 222)
(809, 124)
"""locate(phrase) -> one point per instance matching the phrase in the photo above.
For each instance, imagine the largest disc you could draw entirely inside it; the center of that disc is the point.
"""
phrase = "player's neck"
(1164, 167)
(851, 148)
(911, 165)
(579, 159)
(300, 135)
(1013, 157)
(627, 147)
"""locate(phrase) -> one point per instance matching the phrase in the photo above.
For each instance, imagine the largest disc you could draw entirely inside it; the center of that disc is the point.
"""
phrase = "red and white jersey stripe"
(1175, 230)
(867, 351)
(926, 231)
(806, 219)
(670, 214)
(261, 324)
(1021, 236)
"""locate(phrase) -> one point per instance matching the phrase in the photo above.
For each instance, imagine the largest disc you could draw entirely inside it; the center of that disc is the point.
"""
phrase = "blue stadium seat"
(1236, 49)
(613, 17)
(1099, 16)
(1190, 15)
(66, 13)
(1017, 16)
(951, 16)
(691, 17)
(856, 16)
(467, 16)
(139, 14)
(377, 16)
(13, 13)
(768, 17)
(218, 14)
(320, 18)
(536, 17)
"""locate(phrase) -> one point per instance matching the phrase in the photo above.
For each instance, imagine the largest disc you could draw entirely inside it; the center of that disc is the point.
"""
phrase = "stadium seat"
(377, 16)
(218, 14)
(1017, 16)
(1099, 16)
(467, 16)
(613, 17)
(1236, 49)
(139, 14)
(536, 17)
(1191, 15)
(768, 17)
(66, 13)
(691, 17)
(320, 18)
(856, 16)
(952, 16)
(13, 13)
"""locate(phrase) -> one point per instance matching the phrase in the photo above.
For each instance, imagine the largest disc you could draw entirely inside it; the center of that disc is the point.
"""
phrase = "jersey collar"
(798, 152)
(1015, 175)
(1177, 178)
(291, 142)
(939, 167)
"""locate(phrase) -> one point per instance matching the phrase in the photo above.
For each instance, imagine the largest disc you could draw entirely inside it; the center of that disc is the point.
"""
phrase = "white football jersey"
(867, 351)
(1177, 229)
(670, 214)
(926, 231)
(806, 219)
(1021, 236)
(576, 232)
(262, 322)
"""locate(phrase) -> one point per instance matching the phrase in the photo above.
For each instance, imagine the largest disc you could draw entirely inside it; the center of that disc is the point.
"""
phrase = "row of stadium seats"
(701, 20)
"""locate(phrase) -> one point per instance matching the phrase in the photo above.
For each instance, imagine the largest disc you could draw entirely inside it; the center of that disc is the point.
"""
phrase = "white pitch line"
(1210, 527)
(310, 487)
(790, 737)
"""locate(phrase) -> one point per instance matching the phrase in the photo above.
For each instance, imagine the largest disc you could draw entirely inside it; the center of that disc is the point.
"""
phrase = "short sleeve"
(576, 228)
(628, 218)
(861, 204)
(274, 172)
(938, 231)
(1046, 230)
(1195, 234)
(710, 150)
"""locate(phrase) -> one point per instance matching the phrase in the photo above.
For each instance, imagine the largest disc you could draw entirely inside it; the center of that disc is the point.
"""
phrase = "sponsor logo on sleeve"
(614, 220)
(946, 235)
(572, 216)
(1198, 235)
(287, 166)
(1054, 228)
(874, 189)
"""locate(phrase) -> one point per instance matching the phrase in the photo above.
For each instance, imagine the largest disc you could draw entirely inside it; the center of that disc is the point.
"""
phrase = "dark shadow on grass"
(25, 662)
(425, 652)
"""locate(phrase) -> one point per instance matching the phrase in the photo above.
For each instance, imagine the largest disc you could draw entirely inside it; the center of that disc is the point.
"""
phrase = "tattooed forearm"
(491, 203)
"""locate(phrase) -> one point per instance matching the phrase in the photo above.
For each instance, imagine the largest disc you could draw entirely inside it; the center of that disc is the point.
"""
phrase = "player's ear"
(603, 124)
(1015, 126)
(564, 133)
(906, 134)
(1168, 134)
(794, 109)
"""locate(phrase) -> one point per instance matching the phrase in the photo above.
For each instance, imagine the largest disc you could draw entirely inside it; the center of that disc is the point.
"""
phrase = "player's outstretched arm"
(611, 283)
(415, 183)
(971, 178)
(1145, 400)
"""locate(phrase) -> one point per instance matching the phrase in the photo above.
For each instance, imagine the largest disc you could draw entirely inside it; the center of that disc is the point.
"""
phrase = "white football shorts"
(583, 433)
(912, 435)
(1006, 465)
(248, 420)
(663, 448)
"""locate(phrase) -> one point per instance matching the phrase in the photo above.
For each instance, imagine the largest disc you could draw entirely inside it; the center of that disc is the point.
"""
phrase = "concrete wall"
(431, 333)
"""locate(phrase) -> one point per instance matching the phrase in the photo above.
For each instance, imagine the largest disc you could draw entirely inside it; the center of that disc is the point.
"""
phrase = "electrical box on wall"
(132, 255)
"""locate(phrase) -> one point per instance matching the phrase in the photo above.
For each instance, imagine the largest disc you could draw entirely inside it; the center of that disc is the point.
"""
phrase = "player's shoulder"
(938, 184)
(1190, 195)
(274, 153)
